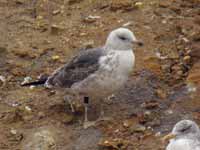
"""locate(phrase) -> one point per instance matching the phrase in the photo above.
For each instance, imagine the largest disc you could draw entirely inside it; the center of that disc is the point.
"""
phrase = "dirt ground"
(38, 36)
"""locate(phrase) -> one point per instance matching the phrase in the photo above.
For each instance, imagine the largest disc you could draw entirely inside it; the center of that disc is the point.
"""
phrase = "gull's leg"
(87, 123)
(69, 100)
(102, 116)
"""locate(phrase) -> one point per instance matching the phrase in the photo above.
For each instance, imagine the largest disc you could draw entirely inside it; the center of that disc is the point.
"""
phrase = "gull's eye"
(185, 128)
(122, 38)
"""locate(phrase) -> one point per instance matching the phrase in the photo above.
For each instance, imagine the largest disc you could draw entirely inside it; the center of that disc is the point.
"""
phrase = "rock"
(28, 109)
(150, 104)
(195, 51)
(41, 115)
(126, 123)
(70, 2)
(19, 1)
(191, 87)
(32, 87)
(2, 81)
(13, 131)
(161, 93)
(159, 55)
(67, 118)
(187, 59)
(22, 52)
(166, 67)
(176, 67)
(155, 123)
(121, 5)
(139, 4)
(197, 20)
(194, 74)
(41, 23)
(127, 24)
(56, 29)
(137, 128)
(26, 80)
(164, 4)
(15, 135)
(18, 72)
(179, 73)
(55, 57)
(158, 134)
(91, 19)
(115, 144)
(55, 12)
(20, 113)
(185, 40)
(169, 112)
(196, 36)
(43, 139)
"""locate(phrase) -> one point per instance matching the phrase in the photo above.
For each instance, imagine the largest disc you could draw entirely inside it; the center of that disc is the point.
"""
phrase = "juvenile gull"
(99, 72)
(185, 136)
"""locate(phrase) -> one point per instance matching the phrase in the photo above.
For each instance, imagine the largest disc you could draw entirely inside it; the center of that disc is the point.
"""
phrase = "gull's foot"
(88, 124)
(103, 118)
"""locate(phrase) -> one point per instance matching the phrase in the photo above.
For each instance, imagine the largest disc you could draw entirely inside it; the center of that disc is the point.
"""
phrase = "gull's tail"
(40, 81)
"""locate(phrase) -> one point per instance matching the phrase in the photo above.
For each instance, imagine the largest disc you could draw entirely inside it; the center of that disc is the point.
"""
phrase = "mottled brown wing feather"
(79, 68)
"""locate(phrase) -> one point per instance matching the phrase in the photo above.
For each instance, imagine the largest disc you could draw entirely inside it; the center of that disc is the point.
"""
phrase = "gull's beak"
(138, 42)
(168, 137)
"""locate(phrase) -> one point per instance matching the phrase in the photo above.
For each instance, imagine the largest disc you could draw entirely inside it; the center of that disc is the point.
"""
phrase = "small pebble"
(180, 72)
(55, 12)
(164, 21)
(41, 114)
(126, 124)
(55, 57)
(185, 40)
(127, 24)
(158, 54)
(187, 58)
(169, 112)
(158, 134)
(138, 4)
(191, 88)
(147, 113)
(2, 81)
(13, 131)
(28, 108)
(15, 104)
(32, 87)
(2, 78)
(138, 128)
(26, 80)
(91, 19)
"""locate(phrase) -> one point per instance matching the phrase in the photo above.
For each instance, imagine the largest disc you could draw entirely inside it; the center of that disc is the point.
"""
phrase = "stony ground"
(37, 36)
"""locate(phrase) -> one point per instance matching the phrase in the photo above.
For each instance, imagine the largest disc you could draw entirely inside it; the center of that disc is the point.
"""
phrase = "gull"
(185, 136)
(97, 72)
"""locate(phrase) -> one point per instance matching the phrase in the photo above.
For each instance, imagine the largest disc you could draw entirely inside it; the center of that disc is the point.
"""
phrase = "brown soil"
(38, 36)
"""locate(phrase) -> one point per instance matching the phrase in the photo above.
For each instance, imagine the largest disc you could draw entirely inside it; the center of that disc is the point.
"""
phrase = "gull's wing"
(79, 68)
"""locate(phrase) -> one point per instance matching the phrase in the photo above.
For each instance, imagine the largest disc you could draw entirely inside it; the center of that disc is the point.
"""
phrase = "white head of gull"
(121, 39)
(184, 136)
